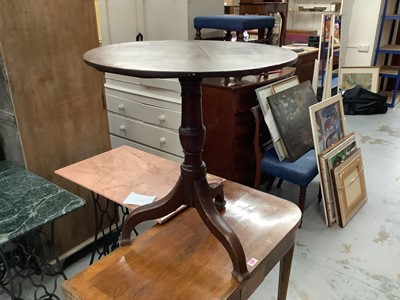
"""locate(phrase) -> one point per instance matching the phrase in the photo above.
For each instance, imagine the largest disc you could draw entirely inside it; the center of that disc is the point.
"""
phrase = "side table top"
(178, 59)
(28, 201)
(181, 259)
(116, 173)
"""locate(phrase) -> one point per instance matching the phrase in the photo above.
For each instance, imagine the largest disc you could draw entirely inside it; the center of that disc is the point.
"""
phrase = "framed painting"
(262, 94)
(327, 161)
(366, 77)
(327, 122)
(350, 187)
(328, 128)
(290, 111)
(285, 84)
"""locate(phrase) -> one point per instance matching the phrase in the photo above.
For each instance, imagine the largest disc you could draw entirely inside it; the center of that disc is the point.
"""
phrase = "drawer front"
(152, 98)
(161, 117)
(124, 127)
(152, 136)
(124, 107)
(118, 142)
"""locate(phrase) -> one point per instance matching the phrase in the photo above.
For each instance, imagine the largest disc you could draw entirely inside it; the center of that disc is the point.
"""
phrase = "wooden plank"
(57, 98)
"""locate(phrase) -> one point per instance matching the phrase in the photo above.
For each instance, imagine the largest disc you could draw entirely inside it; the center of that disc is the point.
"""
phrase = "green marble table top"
(28, 201)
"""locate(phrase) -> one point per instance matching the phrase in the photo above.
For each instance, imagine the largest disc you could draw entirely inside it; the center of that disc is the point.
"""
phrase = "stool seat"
(237, 23)
(300, 172)
(234, 22)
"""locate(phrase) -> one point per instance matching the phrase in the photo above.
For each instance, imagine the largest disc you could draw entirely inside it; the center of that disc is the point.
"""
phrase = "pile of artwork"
(285, 107)
(339, 162)
(297, 123)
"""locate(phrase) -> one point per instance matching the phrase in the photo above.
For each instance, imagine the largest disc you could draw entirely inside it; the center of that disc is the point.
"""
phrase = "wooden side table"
(190, 61)
(181, 259)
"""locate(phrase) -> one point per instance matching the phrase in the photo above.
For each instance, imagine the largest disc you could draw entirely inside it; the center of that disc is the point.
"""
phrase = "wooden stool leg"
(228, 36)
(198, 34)
(268, 39)
(239, 36)
(261, 34)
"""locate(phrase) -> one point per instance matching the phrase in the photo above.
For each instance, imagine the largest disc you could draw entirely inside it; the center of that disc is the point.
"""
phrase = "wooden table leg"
(284, 274)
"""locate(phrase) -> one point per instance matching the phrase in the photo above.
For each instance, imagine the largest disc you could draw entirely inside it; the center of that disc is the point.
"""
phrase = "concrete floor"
(362, 260)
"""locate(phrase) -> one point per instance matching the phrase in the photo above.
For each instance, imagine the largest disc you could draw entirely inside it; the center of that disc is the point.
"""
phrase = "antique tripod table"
(190, 62)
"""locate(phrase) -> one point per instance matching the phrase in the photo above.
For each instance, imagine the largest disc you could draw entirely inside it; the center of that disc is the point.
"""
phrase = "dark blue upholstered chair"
(237, 23)
(300, 172)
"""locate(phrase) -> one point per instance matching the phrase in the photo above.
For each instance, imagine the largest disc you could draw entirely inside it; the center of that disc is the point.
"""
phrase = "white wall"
(203, 8)
(360, 28)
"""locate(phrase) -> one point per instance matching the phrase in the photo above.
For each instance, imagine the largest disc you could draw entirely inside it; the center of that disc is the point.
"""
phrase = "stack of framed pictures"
(339, 162)
(262, 94)
(290, 111)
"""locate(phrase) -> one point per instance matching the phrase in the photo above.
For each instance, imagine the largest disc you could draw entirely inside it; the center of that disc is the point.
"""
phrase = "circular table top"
(179, 59)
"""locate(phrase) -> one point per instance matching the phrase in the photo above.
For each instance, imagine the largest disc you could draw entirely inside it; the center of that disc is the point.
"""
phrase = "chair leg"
(270, 182)
(279, 183)
(302, 201)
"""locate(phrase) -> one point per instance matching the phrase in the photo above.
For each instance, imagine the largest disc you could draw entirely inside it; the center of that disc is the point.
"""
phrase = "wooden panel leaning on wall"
(57, 99)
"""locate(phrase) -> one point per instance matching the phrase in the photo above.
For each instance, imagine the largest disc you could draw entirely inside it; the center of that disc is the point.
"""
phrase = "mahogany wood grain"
(183, 260)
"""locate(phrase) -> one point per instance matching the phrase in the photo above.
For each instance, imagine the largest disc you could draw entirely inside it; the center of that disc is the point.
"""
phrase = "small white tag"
(252, 262)
(137, 199)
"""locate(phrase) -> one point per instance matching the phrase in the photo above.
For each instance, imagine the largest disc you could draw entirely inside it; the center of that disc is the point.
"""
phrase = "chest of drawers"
(145, 117)
(228, 150)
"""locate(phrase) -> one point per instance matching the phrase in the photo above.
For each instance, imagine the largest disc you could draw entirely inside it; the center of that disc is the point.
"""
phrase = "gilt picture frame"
(366, 77)
(327, 122)
(262, 94)
(350, 187)
(285, 84)
(330, 158)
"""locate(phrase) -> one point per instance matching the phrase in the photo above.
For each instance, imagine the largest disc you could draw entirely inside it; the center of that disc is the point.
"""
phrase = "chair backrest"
(261, 140)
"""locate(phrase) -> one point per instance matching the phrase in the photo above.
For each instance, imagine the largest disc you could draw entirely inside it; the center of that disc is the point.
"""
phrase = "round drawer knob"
(162, 118)
(162, 140)
(122, 128)
(121, 107)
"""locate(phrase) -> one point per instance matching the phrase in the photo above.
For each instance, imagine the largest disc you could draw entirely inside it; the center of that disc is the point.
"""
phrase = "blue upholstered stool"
(238, 23)
(300, 172)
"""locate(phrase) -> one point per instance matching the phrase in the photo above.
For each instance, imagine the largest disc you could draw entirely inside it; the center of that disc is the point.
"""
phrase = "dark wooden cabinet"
(305, 64)
(228, 150)
(251, 7)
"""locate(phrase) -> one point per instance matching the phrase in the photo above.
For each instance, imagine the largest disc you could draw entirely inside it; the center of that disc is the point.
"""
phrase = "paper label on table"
(137, 199)
(252, 262)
